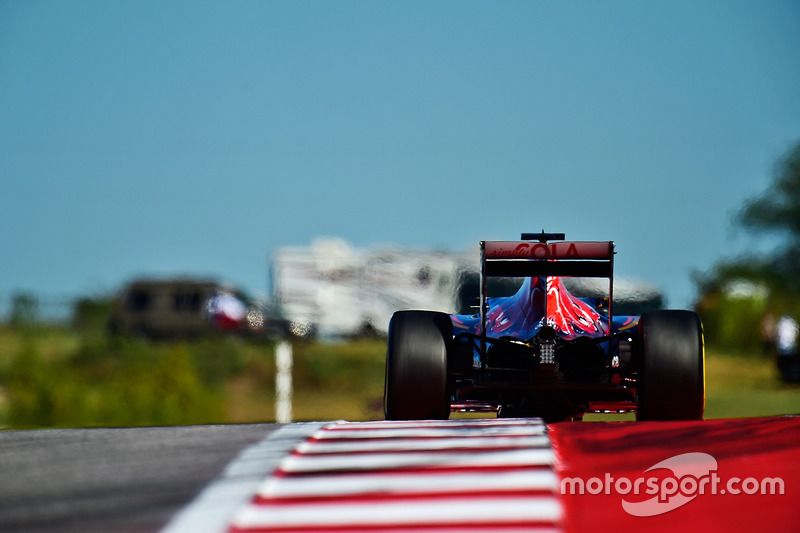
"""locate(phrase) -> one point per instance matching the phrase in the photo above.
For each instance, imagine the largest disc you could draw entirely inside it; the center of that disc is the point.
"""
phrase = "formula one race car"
(544, 351)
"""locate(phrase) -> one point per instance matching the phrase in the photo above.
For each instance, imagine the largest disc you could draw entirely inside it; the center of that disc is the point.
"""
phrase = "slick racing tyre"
(670, 366)
(416, 366)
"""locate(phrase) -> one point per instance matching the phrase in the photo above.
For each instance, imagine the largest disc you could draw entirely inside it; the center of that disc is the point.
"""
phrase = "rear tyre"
(670, 365)
(416, 366)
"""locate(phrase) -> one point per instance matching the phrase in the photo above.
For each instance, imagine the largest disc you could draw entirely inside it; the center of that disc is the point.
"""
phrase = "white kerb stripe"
(483, 511)
(407, 444)
(360, 484)
(373, 461)
(414, 424)
(428, 432)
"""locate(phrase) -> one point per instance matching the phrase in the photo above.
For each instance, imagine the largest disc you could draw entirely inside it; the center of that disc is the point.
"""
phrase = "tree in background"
(91, 315)
(740, 298)
(777, 211)
(24, 310)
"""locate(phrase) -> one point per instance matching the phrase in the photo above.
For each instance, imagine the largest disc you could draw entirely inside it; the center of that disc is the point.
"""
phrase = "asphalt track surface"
(128, 480)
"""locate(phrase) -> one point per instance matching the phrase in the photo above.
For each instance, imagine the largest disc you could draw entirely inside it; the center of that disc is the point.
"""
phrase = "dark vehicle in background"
(545, 351)
(171, 308)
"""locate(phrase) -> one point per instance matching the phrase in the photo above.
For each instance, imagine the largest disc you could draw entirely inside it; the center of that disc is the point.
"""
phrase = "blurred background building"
(331, 288)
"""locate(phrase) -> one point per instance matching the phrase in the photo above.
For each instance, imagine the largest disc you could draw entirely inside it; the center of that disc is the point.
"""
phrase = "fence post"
(283, 382)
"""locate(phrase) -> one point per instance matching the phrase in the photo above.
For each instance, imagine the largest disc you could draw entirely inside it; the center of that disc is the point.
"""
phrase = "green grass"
(55, 377)
(52, 377)
(330, 381)
(746, 386)
(339, 381)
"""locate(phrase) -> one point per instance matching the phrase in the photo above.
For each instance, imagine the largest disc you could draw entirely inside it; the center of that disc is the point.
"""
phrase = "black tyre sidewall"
(416, 386)
(671, 382)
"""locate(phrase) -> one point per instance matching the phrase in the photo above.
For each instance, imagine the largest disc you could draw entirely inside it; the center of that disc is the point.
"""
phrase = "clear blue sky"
(150, 137)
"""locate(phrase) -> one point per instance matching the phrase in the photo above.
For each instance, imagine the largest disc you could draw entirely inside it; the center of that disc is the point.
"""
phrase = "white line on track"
(211, 510)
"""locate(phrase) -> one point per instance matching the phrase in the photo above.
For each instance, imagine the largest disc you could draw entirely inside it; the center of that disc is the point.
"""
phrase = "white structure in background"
(630, 295)
(336, 289)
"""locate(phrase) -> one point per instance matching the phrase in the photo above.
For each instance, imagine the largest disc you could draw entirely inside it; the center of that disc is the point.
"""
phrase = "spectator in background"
(786, 335)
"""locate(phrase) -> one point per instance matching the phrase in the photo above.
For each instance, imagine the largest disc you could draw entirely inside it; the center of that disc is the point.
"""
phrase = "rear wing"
(527, 258)
(572, 259)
